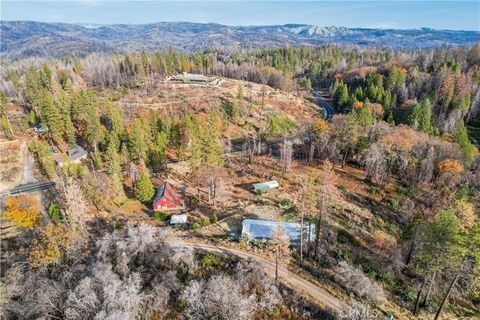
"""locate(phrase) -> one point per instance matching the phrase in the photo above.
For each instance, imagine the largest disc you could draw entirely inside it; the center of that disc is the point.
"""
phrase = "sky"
(455, 15)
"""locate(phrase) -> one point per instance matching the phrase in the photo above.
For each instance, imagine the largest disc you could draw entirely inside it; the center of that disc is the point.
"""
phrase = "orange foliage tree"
(450, 166)
(24, 210)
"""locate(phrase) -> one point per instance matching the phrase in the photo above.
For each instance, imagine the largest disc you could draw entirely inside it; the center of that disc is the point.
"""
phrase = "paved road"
(327, 108)
(292, 280)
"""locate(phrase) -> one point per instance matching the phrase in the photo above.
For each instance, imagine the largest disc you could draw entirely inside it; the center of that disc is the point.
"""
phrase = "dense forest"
(407, 119)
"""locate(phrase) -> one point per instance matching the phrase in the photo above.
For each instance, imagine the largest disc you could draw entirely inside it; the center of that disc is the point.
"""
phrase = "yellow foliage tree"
(51, 245)
(320, 126)
(358, 104)
(24, 210)
(450, 166)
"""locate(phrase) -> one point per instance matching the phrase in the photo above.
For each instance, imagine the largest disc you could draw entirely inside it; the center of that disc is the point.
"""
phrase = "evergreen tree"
(3, 102)
(213, 144)
(50, 115)
(425, 117)
(390, 119)
(240, 93)
(358, 94)
(414, 115)
(112, 160)
(70, 129)
(137, 141)
(340, 97)
(306, 83)
(93, 131)
(31, 88)
(461, 137)
(115, 119)
(144, 189)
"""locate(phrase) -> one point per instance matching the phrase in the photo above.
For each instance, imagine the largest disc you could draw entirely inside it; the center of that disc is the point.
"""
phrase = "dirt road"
(306, 288)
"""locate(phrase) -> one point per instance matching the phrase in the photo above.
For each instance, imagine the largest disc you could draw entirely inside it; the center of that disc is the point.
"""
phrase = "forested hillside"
(23, 39)
(389, 188)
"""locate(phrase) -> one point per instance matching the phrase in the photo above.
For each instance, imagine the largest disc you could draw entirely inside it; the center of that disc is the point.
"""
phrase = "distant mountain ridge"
(20, 39)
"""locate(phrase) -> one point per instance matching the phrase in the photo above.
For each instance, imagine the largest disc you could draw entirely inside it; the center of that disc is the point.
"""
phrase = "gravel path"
(306, 288)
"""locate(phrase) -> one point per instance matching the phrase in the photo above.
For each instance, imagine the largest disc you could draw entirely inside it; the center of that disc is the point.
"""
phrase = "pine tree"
(425, 118)
(137, 141)
(31, 88)
(51, 116)
(414, 115)
(240, 93)
(213, 144)
(461, 137)
(112, 159)
(115, 118)
(70, 129)
(93, 132)
(144, 189)
(3, 102)
(341, 97)
(390, 119)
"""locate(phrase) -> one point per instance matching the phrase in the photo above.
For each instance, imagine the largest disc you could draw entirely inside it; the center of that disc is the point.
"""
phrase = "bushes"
(285, 202)
(410, 294)
(54, 211)
(204, 221)
(345, 237)
(212, 260)
(162, 215)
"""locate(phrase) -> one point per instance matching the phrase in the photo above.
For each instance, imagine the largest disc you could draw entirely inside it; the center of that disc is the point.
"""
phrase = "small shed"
(265, 185)
(178, 219)
(40, 128)
(168, 198)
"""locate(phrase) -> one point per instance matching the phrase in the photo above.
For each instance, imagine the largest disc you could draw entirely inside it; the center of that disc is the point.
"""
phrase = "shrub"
(395, 202)
(260, 192)
(117, 225)
(212, 260)
(386, 278)
(259, 201)
(194, 226)
(345, 237)
(54, 211)
(392, 228)
(162, 215)
(285, 202)
(214, 218)
(204, 221)
(343, 188)
(344, 253)
(410, 294)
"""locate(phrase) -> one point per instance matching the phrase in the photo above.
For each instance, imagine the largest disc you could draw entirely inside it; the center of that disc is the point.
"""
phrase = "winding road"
(309, 290)
(327, 108)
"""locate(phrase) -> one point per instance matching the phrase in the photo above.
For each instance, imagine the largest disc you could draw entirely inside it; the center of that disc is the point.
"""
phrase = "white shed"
(178, 219)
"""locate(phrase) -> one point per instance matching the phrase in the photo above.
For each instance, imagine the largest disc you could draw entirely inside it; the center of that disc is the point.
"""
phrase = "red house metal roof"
(168, 192)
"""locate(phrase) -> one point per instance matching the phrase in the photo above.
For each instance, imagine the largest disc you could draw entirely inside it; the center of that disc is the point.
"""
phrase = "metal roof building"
(263, 229)
(265, 185)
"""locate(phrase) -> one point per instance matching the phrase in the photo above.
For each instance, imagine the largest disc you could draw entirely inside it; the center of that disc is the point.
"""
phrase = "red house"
(167, 198)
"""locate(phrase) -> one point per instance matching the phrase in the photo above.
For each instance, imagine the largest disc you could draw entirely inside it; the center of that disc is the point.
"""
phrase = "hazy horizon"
(440, 15)
(86, 24)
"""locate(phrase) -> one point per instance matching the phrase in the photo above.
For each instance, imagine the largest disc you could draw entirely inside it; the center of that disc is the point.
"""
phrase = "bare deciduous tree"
(280, 245)
(286, 154)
